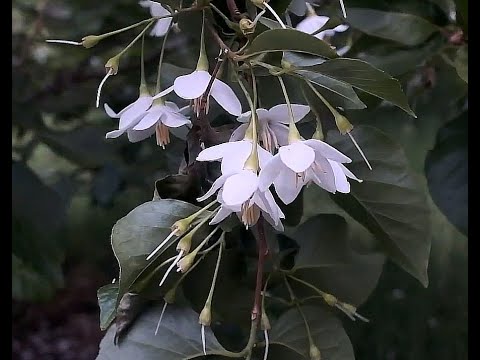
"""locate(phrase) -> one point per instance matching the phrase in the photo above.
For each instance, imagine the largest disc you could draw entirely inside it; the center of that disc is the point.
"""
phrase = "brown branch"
(262, 254)
(235, 14)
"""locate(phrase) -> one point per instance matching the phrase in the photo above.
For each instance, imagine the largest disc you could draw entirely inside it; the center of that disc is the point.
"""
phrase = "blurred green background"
(70, 185)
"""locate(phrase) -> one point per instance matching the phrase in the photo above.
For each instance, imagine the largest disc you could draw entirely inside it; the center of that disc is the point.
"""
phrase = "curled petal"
(269, 173)
(349, 173)
(136, 136)
(239, 187)
(327, 151)
(161, 27)
(239, 133)
(288, 185)
(221, 215)
(174, 120)
(150, 119)
(216, 185)
(226, 98)
(280, 113)
(341, 183)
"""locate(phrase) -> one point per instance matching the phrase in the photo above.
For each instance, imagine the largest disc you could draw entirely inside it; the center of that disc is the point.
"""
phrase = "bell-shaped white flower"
(313, 23)
(158, 119)
(302, 162)
(156, 9)
(272, 125)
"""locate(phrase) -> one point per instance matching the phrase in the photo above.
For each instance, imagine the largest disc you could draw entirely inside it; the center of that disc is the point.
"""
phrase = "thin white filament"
(343, 9)
(99, 91)
(275, 14)
(157, 249)
(267, 344)
(203, 340)
(361, 317)
(345, 312)
(360, 150)
(177, 259)
(259, 15)
(68, 42)
(161, 317)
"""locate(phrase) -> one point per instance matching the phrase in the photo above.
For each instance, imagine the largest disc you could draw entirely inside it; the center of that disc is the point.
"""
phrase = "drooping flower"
(272, 124)
(303, 162)
(156, 9)
(158, 119)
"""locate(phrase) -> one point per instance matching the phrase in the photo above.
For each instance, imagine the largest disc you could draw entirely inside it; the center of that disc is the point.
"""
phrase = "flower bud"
(186, 262)
(181, 226)
(90, 41)
(112, 64)
(330, 299)
(205, 317)
(343, 125)
(318, 134)
(314, 352)
(185, 243)
(170, 295)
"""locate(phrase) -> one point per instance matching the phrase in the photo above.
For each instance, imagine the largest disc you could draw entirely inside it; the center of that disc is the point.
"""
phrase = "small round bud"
(185, 243)
(112, 64)
(181, 226)
(90, 41)
(205, 317)
(314, 353)
(247, 26)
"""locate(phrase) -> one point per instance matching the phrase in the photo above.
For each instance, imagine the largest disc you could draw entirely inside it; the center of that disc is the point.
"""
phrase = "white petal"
(349, 173)
(261, 114)
(215, 186)
(269, 172)
(136, 136)
(226, 98)
(193, 85)
(341, 182)
(239, 187)
(174, 120)
(221, 215)
(312, 23)
(324, 174)
(266, 202)
(281, 133)
(340, 28)
(327, 151)
(130, 117)
(239, 133)
(264, 156)
(216, 152)
(110, 112)
(172, 106)
(234, 160)
(280, 113)
(150, 119)
(297, 156)
(163, 93)
(156, 9)
(288, 185)
(161, 27)
(114, 134)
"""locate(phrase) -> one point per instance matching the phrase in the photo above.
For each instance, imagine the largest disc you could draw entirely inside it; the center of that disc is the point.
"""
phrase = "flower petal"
(161, 27)
(110, 112)
(172, 106)
(341, 28)
(327, 151)
(324, 175)
(239, 133)
(217, 184)
(288, 185)
(193, 85)
(269, 173)
(222, 213)
(226, 98)
(115, 133)
(312, 23)
(173, 119)
(136, 136)
(239, 187)
(234, 160)
(216, 152)
(349, 173)
(264, 156)
(280, 113)
(163, 93)
(281, 133)
(341, 182)
(150, 119)
(245, 117)
(297, 156)
(130, 117)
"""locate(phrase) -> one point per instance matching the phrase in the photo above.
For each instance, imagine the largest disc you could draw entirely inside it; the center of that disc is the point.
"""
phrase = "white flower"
(273, 131)
(156, 9)
(233, 155)
(238, 186)
(313, 23)
(194, 85)
(158, 119)
(302, 162)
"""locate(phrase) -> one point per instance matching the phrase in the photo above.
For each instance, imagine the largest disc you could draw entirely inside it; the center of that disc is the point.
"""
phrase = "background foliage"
(70, 185)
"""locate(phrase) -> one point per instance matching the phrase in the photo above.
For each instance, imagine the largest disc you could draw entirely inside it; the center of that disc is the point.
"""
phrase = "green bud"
(343, 125)
(314, 353)
(205, 317)
(318, 134)
(185, 243)
(112, 64)
(186, 262)
(170, 295)
(90, 41)
(330, 299)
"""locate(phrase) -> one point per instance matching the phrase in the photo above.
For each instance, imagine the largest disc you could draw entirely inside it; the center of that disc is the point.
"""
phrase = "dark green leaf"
(326, 330)
(365, 77)
(178, 338)
(289, 40)
(446, 168)
(139, 232)
(107, 301)
(326, 260)
(389, 201)
(302, 60)
(404, 28)
(461, 62)
(340, 91)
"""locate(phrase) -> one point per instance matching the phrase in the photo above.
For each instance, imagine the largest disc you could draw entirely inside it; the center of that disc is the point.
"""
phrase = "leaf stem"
(160, 61)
